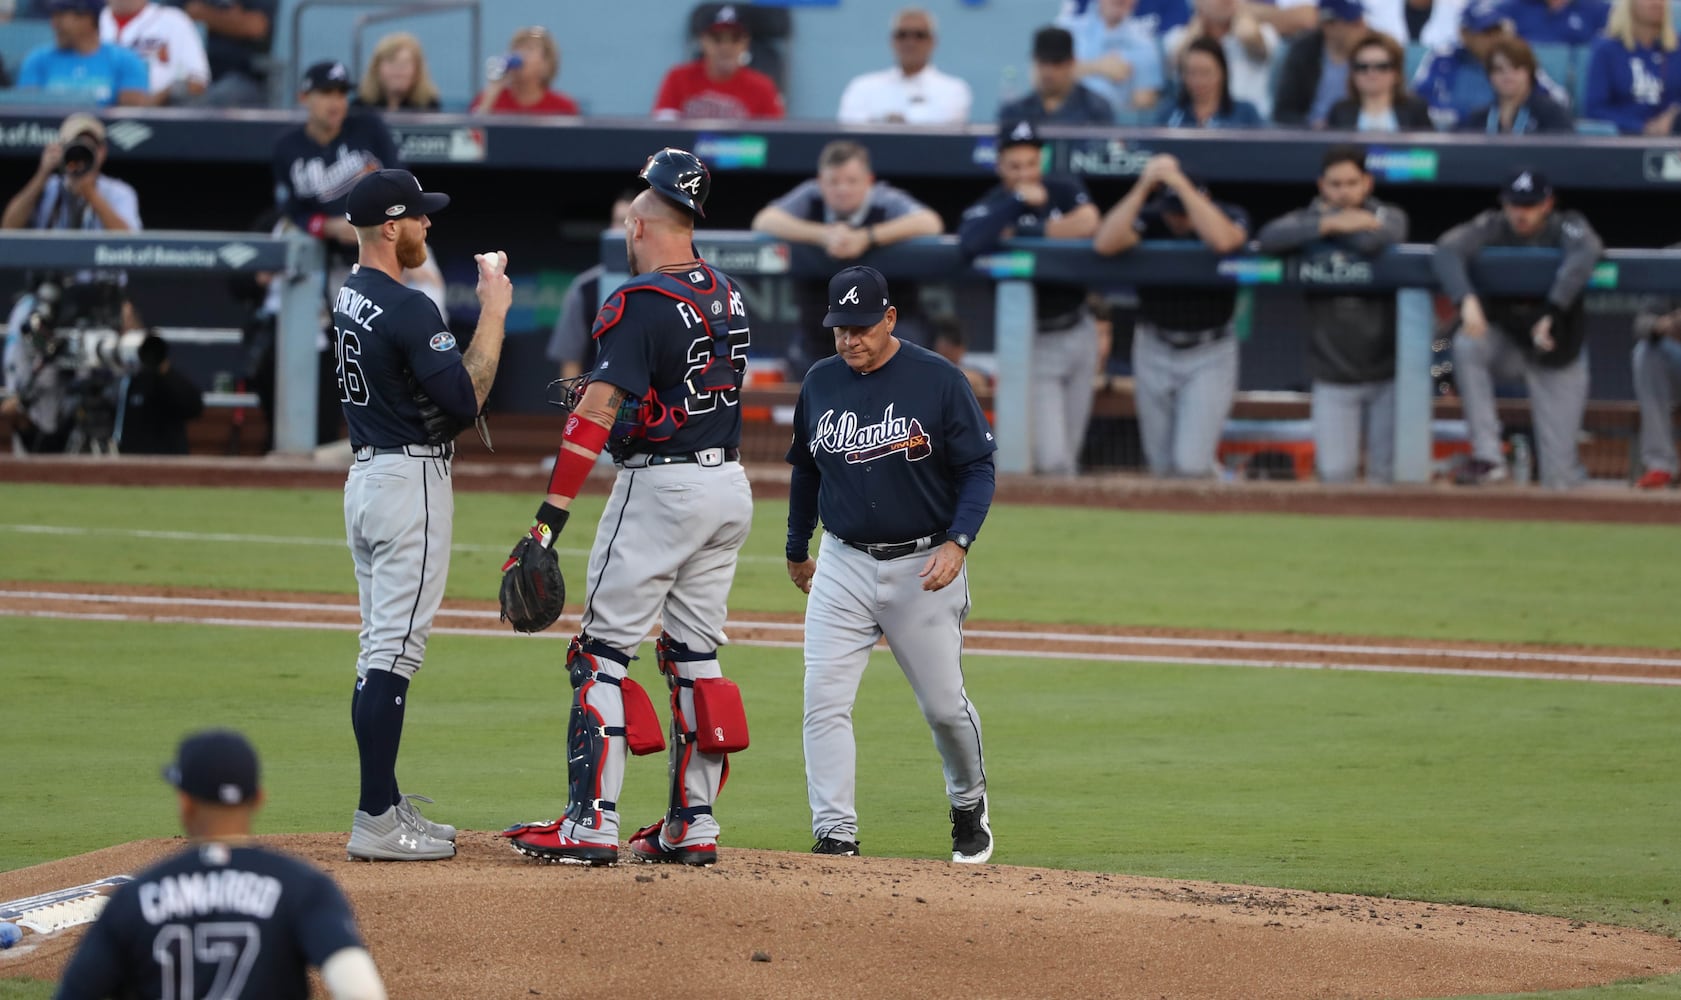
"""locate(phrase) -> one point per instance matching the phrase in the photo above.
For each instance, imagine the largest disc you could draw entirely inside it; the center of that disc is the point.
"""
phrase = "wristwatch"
(962, 541)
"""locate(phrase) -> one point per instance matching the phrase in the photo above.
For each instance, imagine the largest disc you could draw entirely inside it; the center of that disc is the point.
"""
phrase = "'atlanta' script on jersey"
(844, 435)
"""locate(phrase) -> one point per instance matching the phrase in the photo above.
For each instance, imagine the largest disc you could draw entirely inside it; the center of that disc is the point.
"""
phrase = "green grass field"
(1552, 797)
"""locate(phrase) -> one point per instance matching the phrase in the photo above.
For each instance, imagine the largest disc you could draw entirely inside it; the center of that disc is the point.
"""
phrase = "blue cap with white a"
(857, 297)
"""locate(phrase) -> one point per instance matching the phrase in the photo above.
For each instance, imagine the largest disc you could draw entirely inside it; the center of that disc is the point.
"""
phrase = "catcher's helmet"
(680, 176)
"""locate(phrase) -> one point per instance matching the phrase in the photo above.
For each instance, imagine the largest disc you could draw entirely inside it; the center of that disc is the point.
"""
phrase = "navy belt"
(893, 550)
(445, 450)
(708, 457)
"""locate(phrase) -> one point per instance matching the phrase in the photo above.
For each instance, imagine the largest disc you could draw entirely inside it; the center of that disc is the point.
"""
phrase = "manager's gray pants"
(1064, 363)
(1558, 399)
(1183, 397)
(1340, 412)
(1657, 380)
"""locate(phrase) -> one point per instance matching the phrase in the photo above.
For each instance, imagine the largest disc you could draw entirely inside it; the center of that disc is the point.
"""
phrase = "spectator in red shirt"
(717, 85)
(518, 82)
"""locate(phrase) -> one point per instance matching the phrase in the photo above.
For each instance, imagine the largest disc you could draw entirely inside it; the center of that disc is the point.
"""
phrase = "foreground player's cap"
(857, 297)
(390, 194)
(217, 765)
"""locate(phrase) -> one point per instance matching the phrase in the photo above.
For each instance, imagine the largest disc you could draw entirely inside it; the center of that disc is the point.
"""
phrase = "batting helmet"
(680, 176)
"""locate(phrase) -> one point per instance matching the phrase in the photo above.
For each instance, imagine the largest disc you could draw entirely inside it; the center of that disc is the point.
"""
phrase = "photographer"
(69, 191)
(156, 404)
(51, 375)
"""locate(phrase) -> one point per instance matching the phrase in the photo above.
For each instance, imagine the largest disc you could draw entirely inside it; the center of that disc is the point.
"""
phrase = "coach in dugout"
(1536, 338)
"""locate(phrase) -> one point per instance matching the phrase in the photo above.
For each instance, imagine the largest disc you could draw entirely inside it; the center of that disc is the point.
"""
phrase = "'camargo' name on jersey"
(197, 894)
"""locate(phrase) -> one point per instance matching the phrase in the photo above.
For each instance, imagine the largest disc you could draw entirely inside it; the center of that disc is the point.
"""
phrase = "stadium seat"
(1415, 55)
(19, 38)
(1558, 61)
(1579, 75)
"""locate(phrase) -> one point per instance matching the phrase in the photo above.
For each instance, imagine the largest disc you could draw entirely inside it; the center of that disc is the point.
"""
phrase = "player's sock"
(356, 727)
(379, 730)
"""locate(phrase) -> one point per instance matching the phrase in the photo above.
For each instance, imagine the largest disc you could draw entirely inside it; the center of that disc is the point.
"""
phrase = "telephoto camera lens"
(79, 154)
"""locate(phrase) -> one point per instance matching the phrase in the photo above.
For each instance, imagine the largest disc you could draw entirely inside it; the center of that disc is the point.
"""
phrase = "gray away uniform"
(1351, 341)
(1557, 379)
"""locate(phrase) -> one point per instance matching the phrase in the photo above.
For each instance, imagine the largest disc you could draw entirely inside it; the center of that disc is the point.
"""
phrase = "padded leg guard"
(595, 740)
(696, 777)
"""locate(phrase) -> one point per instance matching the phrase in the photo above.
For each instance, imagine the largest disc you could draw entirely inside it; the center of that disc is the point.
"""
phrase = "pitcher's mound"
(491, 924)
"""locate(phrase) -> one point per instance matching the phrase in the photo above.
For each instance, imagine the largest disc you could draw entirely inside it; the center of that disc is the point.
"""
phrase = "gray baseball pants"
(855, 600)
(1657, 382)
(1558, 399)
(399, 511)
(1183, 397)
(1340, 412)
(1064, 363)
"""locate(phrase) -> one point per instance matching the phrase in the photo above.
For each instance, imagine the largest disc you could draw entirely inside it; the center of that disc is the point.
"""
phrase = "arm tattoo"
(482, 371)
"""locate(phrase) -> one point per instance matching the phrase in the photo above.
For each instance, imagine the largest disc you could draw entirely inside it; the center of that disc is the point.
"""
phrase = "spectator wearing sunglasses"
(913, 92)
(1377, 99)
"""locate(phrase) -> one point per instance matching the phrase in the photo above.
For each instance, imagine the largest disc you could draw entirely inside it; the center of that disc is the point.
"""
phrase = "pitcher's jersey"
(384, 333)
(653, 337)
(234, 923)
(888, 444)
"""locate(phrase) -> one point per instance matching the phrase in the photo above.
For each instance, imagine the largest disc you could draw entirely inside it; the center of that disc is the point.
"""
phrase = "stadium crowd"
(1361, 66)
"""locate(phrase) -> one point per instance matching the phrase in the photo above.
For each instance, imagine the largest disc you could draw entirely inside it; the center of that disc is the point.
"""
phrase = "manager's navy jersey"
(386, 333)
(215, 921)
(887, 444)
(650, 339)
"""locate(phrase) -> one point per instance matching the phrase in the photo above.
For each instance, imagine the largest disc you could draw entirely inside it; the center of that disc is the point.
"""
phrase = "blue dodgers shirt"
(890, 445)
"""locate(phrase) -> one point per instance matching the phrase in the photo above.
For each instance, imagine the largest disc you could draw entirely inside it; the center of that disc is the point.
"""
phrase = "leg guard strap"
(593, 760)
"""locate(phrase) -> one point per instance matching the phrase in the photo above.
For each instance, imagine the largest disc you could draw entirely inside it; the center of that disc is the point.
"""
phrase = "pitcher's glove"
(533, 590)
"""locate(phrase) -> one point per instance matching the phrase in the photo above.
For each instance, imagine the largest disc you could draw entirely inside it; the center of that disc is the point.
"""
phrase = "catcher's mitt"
(533, 589)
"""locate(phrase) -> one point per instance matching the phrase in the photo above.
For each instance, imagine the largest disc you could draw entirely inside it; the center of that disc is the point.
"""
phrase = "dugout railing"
(1406, 271)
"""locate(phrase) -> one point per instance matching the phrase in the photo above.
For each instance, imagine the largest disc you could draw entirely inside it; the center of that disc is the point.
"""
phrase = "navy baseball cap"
(76, 6)
(1526, 187)
(857, 297)
(1341, 10)
(1481, 15)
(328, 75)
(1053, 45)
(390, 194)
(216, 765)
(1018, 133)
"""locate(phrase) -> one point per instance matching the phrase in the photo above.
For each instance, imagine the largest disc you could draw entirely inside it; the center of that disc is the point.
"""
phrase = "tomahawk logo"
(127, 135)
(690, 183)
(843, 434)
(237, 254)
(850, 298)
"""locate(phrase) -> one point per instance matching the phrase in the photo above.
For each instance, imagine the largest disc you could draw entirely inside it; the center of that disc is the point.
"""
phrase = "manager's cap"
(857, 297)
(1341, 10)
(1526, 187)
(326, 75)
(216, 765)
(390, 194)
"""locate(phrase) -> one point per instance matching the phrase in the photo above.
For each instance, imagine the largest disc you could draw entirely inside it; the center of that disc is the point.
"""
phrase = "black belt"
(1184, 340)
(445, 450)
(706, 456)
(893, 550)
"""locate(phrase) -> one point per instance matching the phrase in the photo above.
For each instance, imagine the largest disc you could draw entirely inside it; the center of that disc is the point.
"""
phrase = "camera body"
(78, 155)
(74, 329)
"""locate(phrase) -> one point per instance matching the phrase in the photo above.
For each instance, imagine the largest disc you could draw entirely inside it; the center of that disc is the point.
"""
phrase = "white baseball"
(497, 259)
